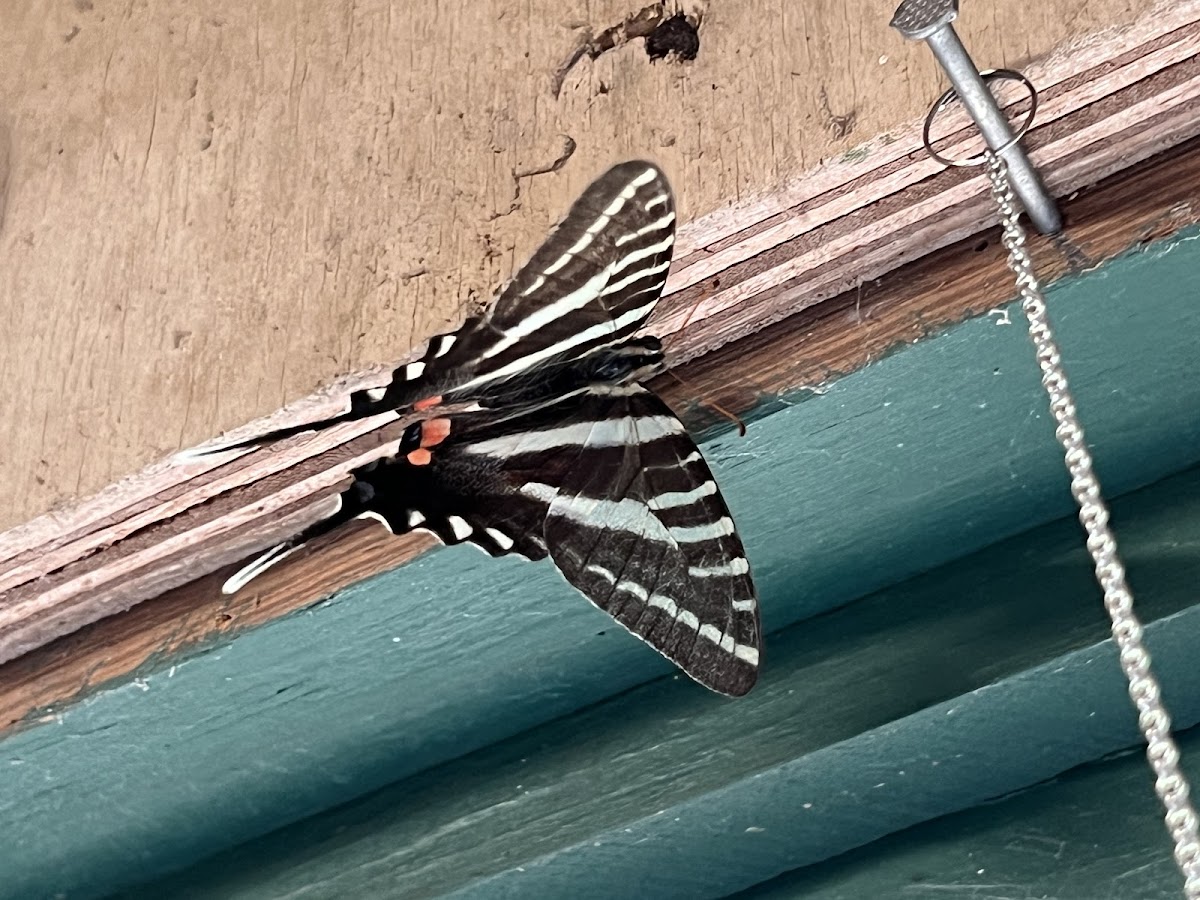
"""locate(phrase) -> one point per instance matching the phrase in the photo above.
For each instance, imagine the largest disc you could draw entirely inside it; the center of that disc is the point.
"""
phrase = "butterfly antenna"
(715, 407)
(690, 315)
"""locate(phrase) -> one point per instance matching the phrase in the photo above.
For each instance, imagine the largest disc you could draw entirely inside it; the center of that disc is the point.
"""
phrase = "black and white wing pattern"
(592, 283)
(639, 526)
(610, 486)
(539, 441)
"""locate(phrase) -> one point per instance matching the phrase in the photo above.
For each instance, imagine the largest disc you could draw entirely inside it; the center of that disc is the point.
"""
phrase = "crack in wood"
(677, 37)
(640, 24)
(564, 154)
(840, 127)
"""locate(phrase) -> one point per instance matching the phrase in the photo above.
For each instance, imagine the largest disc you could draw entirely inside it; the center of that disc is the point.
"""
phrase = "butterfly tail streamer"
(258, 565)
(352, 504)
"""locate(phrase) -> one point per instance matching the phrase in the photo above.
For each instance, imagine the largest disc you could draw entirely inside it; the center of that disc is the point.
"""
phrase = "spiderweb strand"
(1170, 783)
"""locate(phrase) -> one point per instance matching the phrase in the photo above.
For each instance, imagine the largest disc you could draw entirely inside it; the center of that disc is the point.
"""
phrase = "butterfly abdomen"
(633, 361)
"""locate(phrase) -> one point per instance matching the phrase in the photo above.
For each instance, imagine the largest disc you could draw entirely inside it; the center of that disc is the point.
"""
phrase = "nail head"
(918, 19)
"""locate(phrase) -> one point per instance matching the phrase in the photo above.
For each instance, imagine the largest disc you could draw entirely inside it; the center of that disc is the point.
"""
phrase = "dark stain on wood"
(677, 36)
(640, 24)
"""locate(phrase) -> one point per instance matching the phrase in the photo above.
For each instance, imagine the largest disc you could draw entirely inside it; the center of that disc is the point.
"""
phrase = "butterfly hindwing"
(642, 530)
(612, 487)
(458, 500)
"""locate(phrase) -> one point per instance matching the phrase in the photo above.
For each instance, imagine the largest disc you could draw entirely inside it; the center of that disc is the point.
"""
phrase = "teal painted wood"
(1095, 834)
(928, 454)
(960, 685)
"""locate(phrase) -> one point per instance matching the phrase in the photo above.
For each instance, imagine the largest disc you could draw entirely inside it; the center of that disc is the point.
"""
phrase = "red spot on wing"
(420, 457)
(427, 403)
(434, 431)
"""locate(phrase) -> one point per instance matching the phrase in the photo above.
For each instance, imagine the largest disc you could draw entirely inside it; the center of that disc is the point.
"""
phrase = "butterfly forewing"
(592, 282)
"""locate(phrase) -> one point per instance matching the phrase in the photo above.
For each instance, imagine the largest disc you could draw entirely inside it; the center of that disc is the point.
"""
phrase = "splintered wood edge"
(1103, 108)
(1091, 123)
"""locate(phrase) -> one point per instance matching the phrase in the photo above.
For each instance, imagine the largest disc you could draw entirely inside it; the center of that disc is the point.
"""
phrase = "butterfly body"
(539, 440)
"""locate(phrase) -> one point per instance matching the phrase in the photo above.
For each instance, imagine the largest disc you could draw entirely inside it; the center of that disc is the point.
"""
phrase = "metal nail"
(929, 21)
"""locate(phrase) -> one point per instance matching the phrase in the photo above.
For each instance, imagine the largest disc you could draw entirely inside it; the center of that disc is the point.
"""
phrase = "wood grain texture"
(1103, 110)
(209, 211)
(756, 375)
(917, 301)
(960, 685)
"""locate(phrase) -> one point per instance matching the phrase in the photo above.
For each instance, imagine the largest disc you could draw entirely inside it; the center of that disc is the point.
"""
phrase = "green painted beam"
(989, 674)
(935, 451)
(1095, 834)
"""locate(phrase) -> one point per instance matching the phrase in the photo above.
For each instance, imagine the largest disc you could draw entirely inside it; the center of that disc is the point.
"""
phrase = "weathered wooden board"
(840, 335)
(211, 210)
(736, 272)
(455, 651)
(956, 687)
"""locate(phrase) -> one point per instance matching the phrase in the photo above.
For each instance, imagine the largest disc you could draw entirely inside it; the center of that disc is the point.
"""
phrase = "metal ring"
(952, 94)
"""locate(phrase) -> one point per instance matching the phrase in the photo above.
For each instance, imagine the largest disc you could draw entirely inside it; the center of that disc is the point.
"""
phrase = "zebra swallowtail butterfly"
(540, 441)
